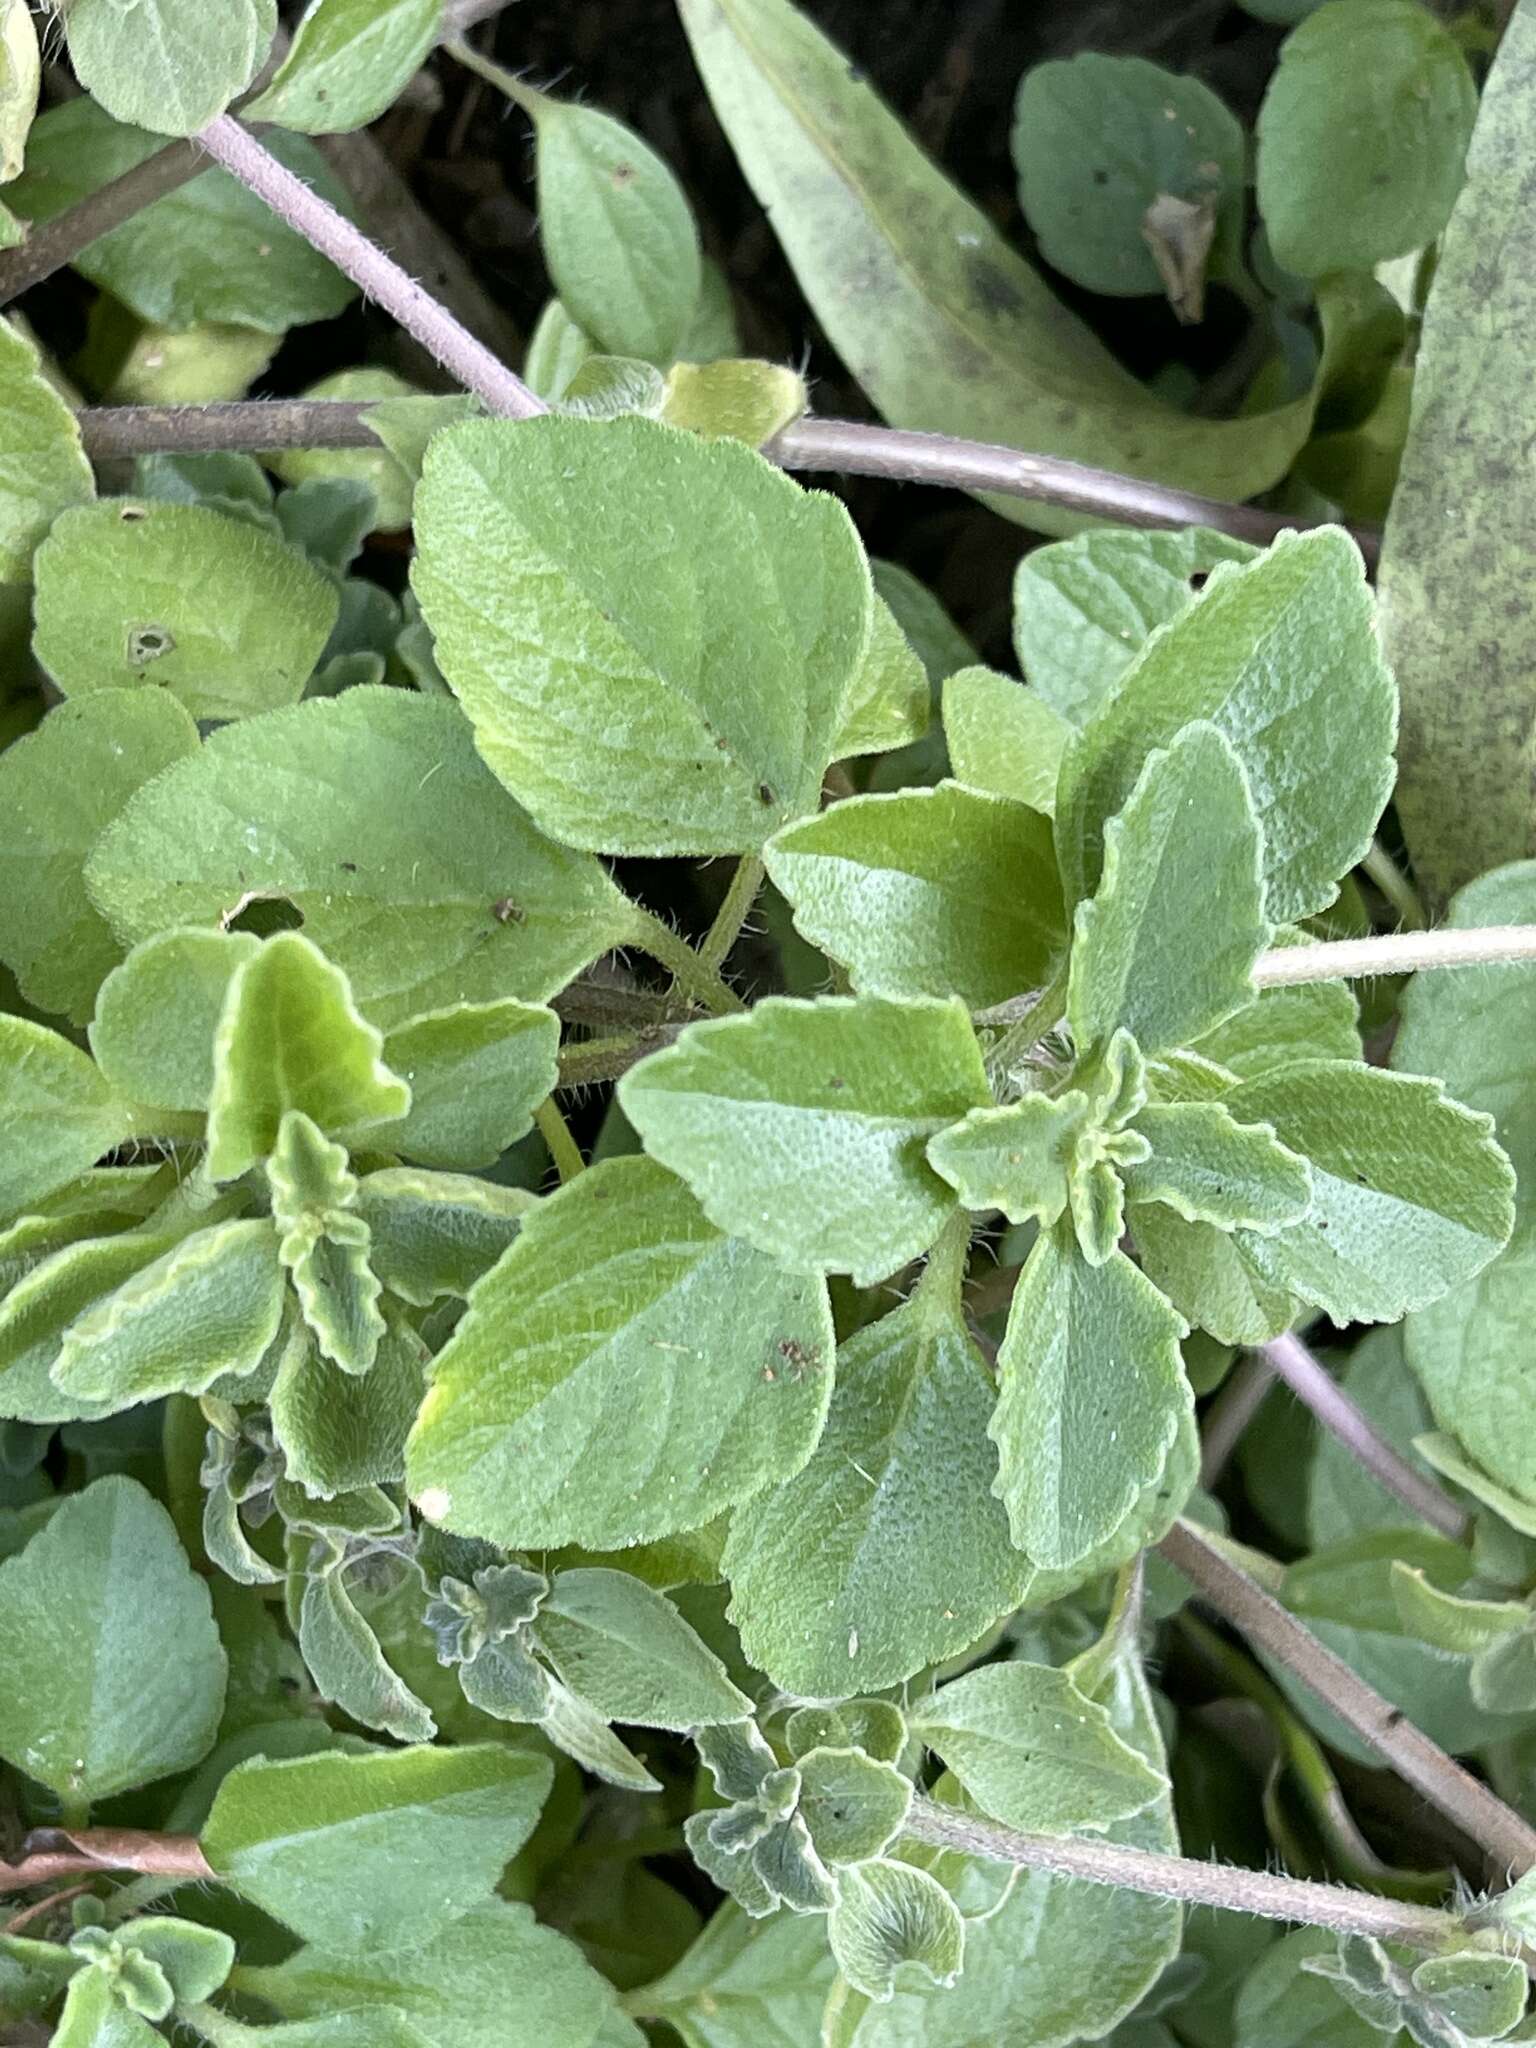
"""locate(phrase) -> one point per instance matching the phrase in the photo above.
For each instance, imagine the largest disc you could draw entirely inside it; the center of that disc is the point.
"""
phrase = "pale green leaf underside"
(890, 1920)
(169, 65)
(802, 1127)
(371, 813)
(1004, 738)
(1016, 1158)
(347, 62)
(624, 1372)
(57, 1114)
(1209, 1168)
(653, 635)
(624, 1648)
(43, 468)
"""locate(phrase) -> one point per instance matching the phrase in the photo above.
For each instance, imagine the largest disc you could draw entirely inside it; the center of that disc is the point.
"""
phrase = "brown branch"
(60, 240)
(1507, 1840)
(52, 1853)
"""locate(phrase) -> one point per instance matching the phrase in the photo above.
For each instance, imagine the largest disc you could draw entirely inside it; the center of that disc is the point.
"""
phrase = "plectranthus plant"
(717, 1326)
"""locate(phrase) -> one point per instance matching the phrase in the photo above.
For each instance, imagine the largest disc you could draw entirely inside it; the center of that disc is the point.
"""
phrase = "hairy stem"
(1395, 886)
(735, 907)
(556, 1133)
(697, 982)
(377, 273)
(1396, 953)
(1505, 1838)
(1317, 1389)
(1193, 1883)
(1230, 1413)
(605, 1059)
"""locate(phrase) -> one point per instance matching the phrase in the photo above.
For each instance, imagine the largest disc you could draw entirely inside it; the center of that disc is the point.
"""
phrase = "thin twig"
(368, 266)
(1194, 1883)
(1507, 1840)
(60, 240)
(52, 1853)
(1316, 1388)
(1230, 1413)
(1396, 953)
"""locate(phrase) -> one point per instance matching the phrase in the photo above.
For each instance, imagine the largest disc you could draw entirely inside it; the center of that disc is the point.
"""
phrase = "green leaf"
(627, 1651)
(887, 705)
(1165, 948)
(1017, 1158)
(323, 1246)
(157, 1014)
(209, 1306)
(291, 1038)
(59, 787)
(209, 252)
(1003, 738)
(1477, 1028)
(93, 2017)
(1460, 1627)
(1375, 1377)
(168, 65)
(20, 78)
(616, 230)
(853, 1805)
(928, 892)
(1460, 519)
(1083, 609)
(321, 1842)
(339, 1430)
(1312, 1020)
(1209, 1168)
(888, 1916)
(580, 1730)
(476, 1073)
(348, 1666)
(1481, 1995)
(1098, 141)
(748, 400)
(133, 592)
(1204, 1273)
(888, 1551)
(436, 1233)
(43, 468)
(494, 1968)
(1091, 1391)
(194, 1961)
(557, 348)
(371, 813)
(1266, 653)
(1362, 136)
(113, 1670)
(1410, 1194)
(348, 61)
(1034, 1753)
(41, 1306)
(802, 1126)
(951, 330)
(398, 416)
(659, 1373)
(568, 569)
(57, 1115)
(747, 1983)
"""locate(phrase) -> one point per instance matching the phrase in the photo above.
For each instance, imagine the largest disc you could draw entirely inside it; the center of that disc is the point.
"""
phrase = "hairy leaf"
(1209, 1168)
(627, 1651)
(1018, 1158)
(339, 1430)
(348, 60)
(57, 1114)
(748, 1983)
(476, 1073)
(43, 468)
(1004, 738)
(625, 1371)
(436, 1233)
(888, 1916)
(169, 65)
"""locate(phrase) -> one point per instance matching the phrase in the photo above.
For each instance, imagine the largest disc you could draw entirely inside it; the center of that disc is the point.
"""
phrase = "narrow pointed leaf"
(625, 1371)
(802, 1127)
(575, 1726)
(1091, 1393)
(348, 1666)
(628, 1652)
(930, 892)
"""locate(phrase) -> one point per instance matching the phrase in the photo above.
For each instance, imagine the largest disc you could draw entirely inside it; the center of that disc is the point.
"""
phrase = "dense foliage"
(565, 1484)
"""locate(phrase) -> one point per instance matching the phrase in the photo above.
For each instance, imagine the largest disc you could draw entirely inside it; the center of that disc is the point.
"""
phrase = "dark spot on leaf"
(764, 794)
(148, 643)
(837, 1081)
(1101, 177)
(507, 910)
(622, 175)
(997, 293)
(348, 867)
(1199, 578)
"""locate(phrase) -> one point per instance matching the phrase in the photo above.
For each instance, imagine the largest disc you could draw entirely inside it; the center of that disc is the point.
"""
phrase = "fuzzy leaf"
(348, 1666)
(628, 1652)
(371, 813)
(1017, 1158)
(1410, 1193)
(43, 468)
(323, 1246)
(887, 1552)
(1208, 1168)
(1362, 136)
(1097, 141)
(57, 1114)
(1266, 653)
(291, 1038)
(132, 593)
(929, 892)
(1084, 608)
(95, 2017)
(21, 68)
(852, 1805)
(1004, 738)
(888, 1916)
(748, 1983)
(1091, 1392)
(1314, 1020)
(1204, 1273)
(113, 1671)
(617, 232)
(598, 589)
(157, 1014)
(887, 705)
(41, 1306)
(751, 401)
(1034, 1753)
(168, 65)
(436, 1233)
(625, 1371)
(580, 1730)
(349, 59)
(1166, 947)
(476, 1074)
(320, 1842)
(802, 1126)
(338, 1430)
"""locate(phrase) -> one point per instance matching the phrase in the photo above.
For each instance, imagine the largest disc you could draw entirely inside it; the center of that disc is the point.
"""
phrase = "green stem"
(505, 81)
(699, 983)
(1395, 886)
(941, 1286)
(733, 912)
(556, 1133)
